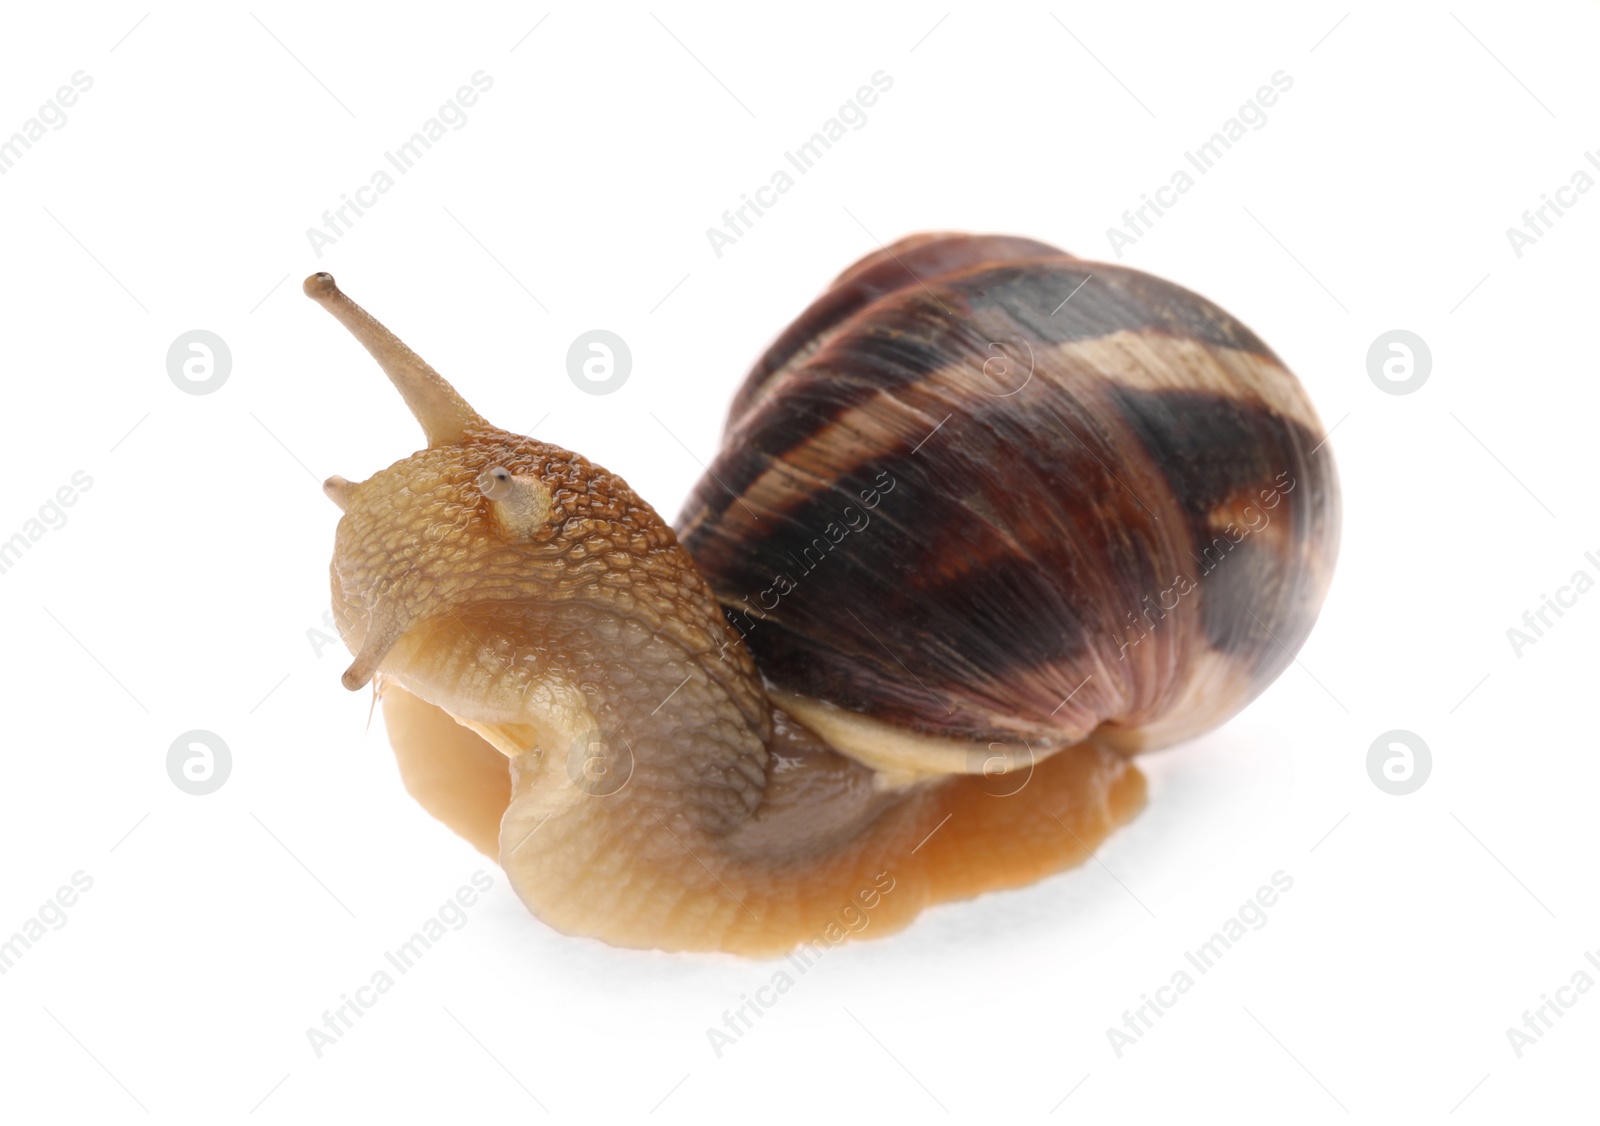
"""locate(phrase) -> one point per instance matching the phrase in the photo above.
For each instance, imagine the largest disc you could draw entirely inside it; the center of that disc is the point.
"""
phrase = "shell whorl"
(984, 490)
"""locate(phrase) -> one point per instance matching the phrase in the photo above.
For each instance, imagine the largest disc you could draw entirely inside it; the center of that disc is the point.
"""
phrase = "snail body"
(987, 520)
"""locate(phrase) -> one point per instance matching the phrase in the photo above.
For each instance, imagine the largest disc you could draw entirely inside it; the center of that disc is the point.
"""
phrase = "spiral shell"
(982, 490)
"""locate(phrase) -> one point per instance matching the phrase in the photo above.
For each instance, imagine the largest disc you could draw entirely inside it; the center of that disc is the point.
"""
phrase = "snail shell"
(986, 519)
(1104, 488)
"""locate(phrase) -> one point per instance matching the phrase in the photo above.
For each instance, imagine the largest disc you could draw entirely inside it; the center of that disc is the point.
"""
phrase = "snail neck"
(708, 837)
(651, 778)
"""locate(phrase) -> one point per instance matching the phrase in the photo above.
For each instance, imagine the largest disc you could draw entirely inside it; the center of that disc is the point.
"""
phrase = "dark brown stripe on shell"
(1255, 469)
(901, 265)
(957, 320)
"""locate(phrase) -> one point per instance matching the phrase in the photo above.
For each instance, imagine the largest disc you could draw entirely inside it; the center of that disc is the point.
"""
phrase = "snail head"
(466, 520)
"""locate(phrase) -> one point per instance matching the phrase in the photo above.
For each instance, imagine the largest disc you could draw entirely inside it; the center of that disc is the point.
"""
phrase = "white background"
(180, 591)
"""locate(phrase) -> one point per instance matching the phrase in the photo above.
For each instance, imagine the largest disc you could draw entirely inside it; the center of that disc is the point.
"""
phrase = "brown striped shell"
(982, 490)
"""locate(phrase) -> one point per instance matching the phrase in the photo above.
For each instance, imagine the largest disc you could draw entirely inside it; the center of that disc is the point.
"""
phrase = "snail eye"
(496, 483)
(520, 503)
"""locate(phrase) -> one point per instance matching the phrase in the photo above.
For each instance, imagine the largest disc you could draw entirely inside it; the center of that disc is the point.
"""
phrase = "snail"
(987, 520)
